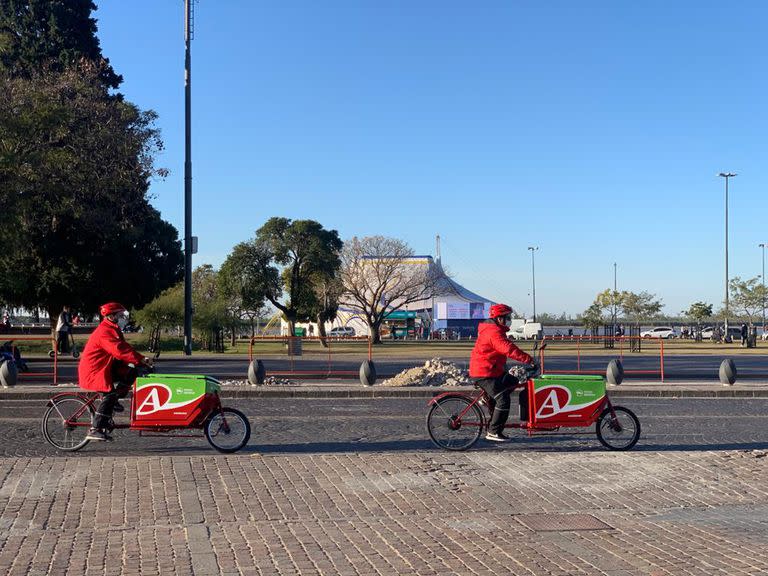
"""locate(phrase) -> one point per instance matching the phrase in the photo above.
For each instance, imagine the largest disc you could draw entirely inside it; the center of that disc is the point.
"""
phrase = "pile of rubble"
(268, 381)
(435, 372)
(274, 381)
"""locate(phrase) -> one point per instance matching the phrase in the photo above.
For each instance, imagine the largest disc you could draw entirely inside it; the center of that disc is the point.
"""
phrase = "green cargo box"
(566, 399)
(171, 397)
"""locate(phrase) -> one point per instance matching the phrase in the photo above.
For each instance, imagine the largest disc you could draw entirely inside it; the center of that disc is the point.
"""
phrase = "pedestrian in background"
(63, 329)
(744, 332)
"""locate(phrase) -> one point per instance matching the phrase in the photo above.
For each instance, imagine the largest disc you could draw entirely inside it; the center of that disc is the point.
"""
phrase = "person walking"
(63, 330)
(744, 332)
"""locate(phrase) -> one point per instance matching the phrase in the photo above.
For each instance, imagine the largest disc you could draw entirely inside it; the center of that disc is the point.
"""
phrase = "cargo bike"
(548, 402)
(161, 404)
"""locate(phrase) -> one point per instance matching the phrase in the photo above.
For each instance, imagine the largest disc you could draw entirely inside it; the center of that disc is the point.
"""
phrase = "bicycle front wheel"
(228, 430)
(454, 423)
(66, 423)
(621, 433)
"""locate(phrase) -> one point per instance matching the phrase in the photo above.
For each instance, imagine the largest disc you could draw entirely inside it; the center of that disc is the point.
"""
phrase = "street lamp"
(762, 245)
(533, 276)
(727, 176)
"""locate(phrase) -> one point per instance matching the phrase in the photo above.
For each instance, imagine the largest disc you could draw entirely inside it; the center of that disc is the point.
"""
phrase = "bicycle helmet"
(111, 308)
(499, 310)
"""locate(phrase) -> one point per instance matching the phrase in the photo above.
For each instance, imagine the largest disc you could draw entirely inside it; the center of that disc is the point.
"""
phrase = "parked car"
(342, 332)
(734, 333)
(665, 332)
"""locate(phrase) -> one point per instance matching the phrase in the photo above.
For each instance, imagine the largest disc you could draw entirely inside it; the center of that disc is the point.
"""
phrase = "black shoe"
(98, 435)
(494, 437)
(118, 408)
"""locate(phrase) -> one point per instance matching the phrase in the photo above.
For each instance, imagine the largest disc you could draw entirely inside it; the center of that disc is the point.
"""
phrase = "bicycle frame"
(90, 398)
(531, 424)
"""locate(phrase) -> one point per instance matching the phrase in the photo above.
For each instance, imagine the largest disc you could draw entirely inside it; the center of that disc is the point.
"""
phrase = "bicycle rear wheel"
(452, 426)
(621, 433)
(66, 423)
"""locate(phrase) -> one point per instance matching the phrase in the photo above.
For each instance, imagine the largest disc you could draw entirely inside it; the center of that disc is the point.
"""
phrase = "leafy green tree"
(75, 168)
(286, 263)
(699, 311)
(51, 35)
(592, 317)
(609, 301)
(747, 297)
(638, 307)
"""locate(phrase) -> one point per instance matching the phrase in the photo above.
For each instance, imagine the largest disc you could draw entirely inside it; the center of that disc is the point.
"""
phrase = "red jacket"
(105, 345)
(492, 350)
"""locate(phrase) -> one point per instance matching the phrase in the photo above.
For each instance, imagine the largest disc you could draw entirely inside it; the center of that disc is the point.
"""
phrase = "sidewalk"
(486, 512)
(335, 388)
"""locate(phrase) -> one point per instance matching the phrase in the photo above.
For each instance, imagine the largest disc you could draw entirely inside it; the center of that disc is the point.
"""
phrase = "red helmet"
(111, 308)
(498, 310)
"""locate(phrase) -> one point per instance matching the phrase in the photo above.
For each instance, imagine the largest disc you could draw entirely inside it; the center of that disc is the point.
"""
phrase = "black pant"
(62, 341)
(498, 390)
(121, 384)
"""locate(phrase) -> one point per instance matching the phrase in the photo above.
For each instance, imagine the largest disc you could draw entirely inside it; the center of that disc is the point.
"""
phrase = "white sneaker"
(493, 437)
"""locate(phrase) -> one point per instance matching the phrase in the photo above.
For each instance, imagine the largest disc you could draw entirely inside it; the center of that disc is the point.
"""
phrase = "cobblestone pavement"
(550, 506)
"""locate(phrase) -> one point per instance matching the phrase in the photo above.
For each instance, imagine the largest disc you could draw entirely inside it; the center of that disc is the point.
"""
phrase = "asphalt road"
(286, 425)
(683, 367)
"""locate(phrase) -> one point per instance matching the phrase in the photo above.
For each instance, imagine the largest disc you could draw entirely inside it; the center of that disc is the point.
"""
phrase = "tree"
(243, 300)
(164, 312)
(378, 278)
(592, 317)
(699, 311)
(294, 257)
(747, 297)
(75, 167)
(639, 307)
(609, 301)
(52, 35)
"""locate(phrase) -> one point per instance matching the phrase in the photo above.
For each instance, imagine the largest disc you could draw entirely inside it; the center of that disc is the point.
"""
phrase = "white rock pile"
(435, 372)
(268, 381)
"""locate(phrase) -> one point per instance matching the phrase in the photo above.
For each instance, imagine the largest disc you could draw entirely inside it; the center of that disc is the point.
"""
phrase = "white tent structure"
(454, 311)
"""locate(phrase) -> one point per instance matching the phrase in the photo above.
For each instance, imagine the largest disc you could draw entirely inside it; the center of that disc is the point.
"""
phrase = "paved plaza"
(375, 498)
(485, 512)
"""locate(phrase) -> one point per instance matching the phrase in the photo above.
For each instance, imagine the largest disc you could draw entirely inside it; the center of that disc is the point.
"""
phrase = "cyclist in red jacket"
(487, 366)
(104, 366)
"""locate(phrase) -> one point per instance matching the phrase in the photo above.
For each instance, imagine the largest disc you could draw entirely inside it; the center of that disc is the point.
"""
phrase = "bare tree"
(380, 276)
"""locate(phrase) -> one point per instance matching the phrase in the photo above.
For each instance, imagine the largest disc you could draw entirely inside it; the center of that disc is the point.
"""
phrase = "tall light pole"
(187, 177)
(615, 291)
(727, 176)
(533, 276)
(762, 245)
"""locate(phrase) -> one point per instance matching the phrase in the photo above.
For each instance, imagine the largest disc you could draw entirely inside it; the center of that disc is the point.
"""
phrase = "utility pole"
(762, 245)
(533, 275)
(188, 178)
(615, 293)
(727, 176)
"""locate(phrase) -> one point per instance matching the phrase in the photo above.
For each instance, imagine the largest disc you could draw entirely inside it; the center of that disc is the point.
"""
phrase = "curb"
(248, 392)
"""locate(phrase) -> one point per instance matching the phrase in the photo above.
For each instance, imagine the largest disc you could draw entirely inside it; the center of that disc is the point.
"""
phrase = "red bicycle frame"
(531, 424)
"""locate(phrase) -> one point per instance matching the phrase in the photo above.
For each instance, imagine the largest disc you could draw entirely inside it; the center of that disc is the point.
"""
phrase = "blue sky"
(594, 130)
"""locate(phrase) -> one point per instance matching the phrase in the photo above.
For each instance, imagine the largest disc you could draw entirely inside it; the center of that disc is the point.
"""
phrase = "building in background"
(453, 312)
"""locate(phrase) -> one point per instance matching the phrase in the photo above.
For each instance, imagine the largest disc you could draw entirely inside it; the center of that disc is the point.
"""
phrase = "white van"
(525, 330)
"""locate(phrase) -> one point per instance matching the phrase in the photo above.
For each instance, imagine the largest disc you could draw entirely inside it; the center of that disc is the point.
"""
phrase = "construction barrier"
(51, 364)
(311, 356)
(582, 348)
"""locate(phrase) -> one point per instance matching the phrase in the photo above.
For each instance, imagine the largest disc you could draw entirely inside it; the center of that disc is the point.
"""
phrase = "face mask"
(122, 321)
